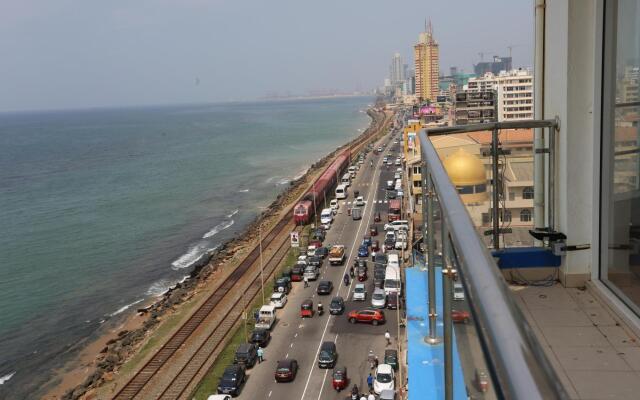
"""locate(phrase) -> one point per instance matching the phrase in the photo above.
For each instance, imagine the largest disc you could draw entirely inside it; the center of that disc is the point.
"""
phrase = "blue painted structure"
(426, 362)
(526, 257)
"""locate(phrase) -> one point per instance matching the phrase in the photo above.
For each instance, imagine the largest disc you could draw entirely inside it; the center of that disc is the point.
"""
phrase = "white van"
(341, 192)
(392, 282)
(400, 224)
(346, 179)
(393, 259)
(326, 217)
(398, 184)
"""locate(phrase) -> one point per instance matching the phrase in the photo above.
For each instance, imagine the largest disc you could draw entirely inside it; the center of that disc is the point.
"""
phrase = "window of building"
(486, 218)
(465, 189)
(527, 193)
(505, 216)
(619, 260)
(417, 184)
(512, 196)
(525, 215)
(416, 170)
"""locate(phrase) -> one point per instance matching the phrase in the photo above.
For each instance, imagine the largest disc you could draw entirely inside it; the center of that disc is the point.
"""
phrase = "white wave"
(284, 181)
(184, 278)
(271, 179)
(159, 288)
(125, 308)
(218, 228)
(5, 378)
(301, 174)
(191, 256)
(233, 213)
(243, 190)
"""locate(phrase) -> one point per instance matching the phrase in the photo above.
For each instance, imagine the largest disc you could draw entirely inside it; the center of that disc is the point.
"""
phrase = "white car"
(396, 176)
(326, 216)
(311, 251)
(378, 298)
(397, 161)
(399, 170)
(399, 193)
(458, 291)
(334, 205)
(383, 379)
(384, 160)
(401, 243)
(359, 201)
(359, 292)
(219, 397)
(278, 300)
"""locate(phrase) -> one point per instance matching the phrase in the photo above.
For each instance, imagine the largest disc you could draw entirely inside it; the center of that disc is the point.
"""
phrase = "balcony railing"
(516, 362)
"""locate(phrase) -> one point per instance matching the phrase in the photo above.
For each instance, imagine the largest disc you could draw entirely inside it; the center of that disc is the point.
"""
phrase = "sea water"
(104, 209)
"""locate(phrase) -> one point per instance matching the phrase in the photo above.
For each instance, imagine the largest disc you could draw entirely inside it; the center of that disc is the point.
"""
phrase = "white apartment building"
(514, 90)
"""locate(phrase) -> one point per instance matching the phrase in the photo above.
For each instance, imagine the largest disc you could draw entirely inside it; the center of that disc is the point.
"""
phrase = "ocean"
(104, 209)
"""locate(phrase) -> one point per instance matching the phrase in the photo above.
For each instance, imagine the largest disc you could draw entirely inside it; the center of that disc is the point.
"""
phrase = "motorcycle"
(320, 309)
(354, 393)
(346, 280)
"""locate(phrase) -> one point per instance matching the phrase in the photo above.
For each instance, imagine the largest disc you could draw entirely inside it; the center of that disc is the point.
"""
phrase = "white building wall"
(569, 93)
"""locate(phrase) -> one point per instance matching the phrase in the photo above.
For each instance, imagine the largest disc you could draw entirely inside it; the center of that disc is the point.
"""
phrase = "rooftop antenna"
(481, 54)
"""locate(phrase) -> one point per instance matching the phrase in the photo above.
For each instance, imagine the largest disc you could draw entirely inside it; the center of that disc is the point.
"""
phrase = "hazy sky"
(87, 53)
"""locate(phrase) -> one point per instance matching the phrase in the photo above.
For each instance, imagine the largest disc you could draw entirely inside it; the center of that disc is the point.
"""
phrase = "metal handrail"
(518, 363)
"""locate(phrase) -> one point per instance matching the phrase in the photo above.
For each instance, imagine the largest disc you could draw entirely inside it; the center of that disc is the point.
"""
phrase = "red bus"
(394, 210)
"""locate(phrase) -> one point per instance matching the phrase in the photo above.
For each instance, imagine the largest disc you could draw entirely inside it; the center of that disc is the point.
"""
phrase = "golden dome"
(465, 169)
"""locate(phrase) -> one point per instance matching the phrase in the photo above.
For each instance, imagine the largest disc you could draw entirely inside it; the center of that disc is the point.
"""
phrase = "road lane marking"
(270, 391)
(296, 335)
(291, 346)
(287, 356)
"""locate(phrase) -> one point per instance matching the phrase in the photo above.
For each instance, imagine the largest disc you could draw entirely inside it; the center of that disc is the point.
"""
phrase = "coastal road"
(300, 339)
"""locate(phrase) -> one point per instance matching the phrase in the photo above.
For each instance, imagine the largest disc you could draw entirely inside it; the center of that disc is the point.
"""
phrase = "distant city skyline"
(76, 54)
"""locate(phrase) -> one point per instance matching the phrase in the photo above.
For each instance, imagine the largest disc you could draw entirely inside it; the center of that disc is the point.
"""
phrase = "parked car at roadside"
(260, 337)
(232, 380)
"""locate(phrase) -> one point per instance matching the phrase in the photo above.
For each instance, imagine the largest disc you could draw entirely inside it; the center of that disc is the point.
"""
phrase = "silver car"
(378, 298)
(359, 292)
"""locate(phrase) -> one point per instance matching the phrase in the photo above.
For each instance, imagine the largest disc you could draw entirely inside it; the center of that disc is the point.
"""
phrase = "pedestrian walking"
(306, 282)
(370, 381)
(375, 363)
(371, 358)
(387, 336)
(260, 355)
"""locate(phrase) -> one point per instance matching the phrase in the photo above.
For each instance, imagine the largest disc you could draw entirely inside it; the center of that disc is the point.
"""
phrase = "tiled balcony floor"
(595, 355)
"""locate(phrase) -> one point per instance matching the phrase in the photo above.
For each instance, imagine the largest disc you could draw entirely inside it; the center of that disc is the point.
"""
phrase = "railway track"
(208, 349)
(180, 337)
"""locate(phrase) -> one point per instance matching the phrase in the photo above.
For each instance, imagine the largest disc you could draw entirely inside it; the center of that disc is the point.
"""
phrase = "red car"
(296, 273)
(373, 230)
(375, 245)
(375, 317)
(460, 316)
(286, 370)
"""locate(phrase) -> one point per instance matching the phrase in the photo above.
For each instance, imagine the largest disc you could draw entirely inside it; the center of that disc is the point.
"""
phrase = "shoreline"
(98, 359)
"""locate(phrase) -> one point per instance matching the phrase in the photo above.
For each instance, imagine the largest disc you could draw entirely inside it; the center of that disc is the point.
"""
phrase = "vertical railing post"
(447, 295)
(425, 212)
(431, 256)
(551, 177)
(495, 186)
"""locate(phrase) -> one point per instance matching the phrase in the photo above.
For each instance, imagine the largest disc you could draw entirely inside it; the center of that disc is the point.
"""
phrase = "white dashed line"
(287, 356)
(296, 335)
(270, 391)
